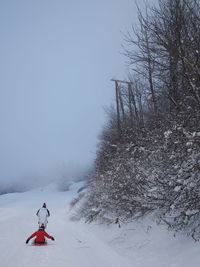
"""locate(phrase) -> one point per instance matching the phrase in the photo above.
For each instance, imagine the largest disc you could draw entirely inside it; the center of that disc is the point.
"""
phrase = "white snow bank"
(147, 244)
(138, 244)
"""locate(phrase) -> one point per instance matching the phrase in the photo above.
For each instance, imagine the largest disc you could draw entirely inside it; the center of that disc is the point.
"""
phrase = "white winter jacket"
(43, 214)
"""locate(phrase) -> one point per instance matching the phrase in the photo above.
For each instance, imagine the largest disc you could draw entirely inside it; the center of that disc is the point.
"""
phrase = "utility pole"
(129, 103)
(119, 101)
(117, 106)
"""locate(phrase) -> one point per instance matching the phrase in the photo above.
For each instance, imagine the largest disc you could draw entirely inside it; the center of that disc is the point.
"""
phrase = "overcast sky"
(56, 61)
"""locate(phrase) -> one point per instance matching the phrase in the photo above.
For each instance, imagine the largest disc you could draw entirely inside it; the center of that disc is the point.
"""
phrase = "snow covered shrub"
(180, 188)
(148, 157)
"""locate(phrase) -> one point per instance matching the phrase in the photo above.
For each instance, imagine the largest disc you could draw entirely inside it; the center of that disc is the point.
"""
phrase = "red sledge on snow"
(39, 244)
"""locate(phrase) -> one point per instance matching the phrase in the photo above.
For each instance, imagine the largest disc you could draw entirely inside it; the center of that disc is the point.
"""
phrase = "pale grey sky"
(57, 59)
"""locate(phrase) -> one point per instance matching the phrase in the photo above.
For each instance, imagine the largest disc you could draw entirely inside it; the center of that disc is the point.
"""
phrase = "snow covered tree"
(153, 163)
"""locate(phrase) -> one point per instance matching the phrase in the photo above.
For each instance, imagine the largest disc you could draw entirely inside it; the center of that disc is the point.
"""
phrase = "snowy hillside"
(77, 244)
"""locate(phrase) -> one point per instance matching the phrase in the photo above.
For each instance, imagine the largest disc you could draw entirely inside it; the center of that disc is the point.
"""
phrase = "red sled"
(39, 244)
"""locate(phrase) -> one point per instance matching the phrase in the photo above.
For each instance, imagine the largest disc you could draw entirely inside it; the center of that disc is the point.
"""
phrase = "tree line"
(148, 158)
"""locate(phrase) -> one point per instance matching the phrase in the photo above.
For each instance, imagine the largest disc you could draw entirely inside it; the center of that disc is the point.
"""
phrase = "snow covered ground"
(139, 244)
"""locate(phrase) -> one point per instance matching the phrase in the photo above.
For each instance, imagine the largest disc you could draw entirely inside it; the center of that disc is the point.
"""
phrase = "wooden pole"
(117, 106)
(119, 101)
(130, 103)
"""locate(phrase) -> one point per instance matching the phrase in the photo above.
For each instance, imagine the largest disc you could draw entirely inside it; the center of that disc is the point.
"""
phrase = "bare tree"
(139, 52)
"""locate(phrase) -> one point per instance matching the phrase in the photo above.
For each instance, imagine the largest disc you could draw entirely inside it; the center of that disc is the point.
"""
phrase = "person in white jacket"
(43, 213)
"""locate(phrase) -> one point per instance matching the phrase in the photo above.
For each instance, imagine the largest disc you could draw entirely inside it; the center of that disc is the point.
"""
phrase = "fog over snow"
(57, 59)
